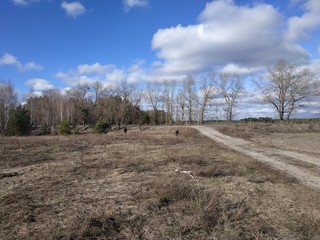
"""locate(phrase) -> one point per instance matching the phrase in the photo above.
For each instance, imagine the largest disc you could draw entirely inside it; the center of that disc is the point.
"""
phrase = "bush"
(45, 129)
(64, 128)
(102, 126)
(75, 131)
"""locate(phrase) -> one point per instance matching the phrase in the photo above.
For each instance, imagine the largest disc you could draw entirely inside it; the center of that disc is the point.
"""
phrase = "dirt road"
(305, 168)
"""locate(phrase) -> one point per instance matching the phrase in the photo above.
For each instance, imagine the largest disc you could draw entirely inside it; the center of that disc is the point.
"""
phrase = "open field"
(303, 138)
(301, 166)
(119, 186)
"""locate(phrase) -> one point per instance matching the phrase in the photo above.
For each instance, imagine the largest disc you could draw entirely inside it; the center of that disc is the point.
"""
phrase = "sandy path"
(304, 168)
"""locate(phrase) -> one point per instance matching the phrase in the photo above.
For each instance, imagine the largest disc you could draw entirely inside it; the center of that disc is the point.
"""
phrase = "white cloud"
(73, 9)
(39, 84)
(23, 2)
(9, 59)
(249, 37)
(128, 4)
(96, 68)
(300, 27)
(30, 66)
(234, 68)
(107, 74)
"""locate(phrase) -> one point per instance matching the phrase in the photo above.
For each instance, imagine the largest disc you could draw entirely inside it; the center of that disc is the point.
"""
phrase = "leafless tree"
(154, 97)
(126, 106)
(180, 106)
(168, 100)
(79, 99)
(189, 90)
(134, 97)
(285, 88)
(99, 91)
(231, 86)
(208, 86)
(8, 101)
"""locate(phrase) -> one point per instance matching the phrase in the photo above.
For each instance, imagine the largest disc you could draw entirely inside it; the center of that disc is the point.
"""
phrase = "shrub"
(45, 129)
(64, 128)
(75, 131)
(102, 126)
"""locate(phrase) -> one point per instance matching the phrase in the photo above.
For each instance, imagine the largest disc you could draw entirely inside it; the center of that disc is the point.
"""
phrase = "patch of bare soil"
(137, 186)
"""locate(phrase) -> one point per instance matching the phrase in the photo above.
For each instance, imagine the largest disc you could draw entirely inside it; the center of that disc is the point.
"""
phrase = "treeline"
(158, 103)
(209, 97)
(79, 106)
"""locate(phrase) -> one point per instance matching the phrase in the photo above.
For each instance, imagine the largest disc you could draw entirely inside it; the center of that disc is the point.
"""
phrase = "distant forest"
(165, 103)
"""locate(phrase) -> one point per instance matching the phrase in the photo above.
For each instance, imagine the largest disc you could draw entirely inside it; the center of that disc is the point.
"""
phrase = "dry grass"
(119, 186)
(303, 138)
(249, 130)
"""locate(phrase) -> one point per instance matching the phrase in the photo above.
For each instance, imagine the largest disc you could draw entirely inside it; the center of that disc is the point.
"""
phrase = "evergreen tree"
(19, 123)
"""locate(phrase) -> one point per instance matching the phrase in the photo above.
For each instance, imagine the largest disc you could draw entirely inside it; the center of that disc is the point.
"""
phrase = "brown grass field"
(117, 186)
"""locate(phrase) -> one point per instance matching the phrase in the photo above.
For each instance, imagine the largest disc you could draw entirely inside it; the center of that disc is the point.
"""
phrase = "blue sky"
(48, 44)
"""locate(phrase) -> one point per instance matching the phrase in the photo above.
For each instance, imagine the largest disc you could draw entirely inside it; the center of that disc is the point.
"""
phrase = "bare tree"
(134, 97)
(98, 91)
(8, 101)
(180, 106)
(79, 99)
(206, 93)
(130, 98)
(168, 100)
(286, 87)
(189, 90)
(154, 97)
(231, 85)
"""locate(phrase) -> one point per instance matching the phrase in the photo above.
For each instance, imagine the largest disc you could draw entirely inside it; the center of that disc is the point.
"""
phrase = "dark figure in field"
(125, 130)
(177, 132)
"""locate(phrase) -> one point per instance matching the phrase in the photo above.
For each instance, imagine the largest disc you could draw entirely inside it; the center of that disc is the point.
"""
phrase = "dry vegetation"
(119, 186)
(303, 138)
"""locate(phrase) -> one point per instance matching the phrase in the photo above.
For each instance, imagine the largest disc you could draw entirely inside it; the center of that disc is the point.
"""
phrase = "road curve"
(291, 163)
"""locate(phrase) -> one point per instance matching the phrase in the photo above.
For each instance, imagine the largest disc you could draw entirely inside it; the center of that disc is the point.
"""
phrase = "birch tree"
(189, 91)
(168, 100)
(8, 101)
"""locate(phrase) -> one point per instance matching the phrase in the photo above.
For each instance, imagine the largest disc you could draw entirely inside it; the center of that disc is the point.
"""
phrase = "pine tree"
(19, 123)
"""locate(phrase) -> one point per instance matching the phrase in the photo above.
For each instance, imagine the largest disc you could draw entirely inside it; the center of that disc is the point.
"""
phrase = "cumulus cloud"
(39, 84)
(300, 27)
(96, 68)
(128, 4)
(107, 74)
(73, 9)
(242, 38)
(9, 59)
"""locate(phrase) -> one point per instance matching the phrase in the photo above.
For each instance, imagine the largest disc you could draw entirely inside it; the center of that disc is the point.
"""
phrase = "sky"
(46, 44)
